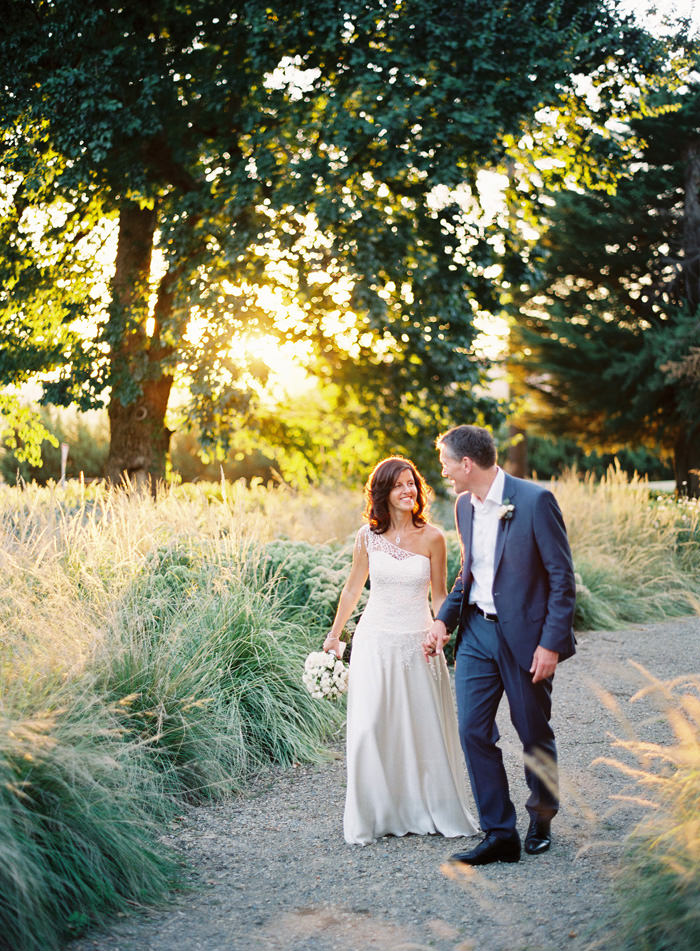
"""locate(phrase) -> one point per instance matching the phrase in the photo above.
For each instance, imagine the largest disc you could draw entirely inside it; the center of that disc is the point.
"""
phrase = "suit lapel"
(465, 521)
(509, 491)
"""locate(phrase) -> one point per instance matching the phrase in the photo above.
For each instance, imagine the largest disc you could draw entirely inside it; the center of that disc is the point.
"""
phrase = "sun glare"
(284, 360)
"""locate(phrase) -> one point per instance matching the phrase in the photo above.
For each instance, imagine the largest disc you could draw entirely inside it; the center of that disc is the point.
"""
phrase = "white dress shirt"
(484, 533)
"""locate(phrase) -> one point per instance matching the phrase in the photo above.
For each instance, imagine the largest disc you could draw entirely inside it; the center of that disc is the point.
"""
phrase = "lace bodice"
(397, 614)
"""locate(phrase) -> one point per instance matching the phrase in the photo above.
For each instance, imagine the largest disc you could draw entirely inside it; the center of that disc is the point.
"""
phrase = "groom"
(513, 607)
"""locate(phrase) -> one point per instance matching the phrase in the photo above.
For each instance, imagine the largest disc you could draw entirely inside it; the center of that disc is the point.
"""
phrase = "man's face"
(456, 471)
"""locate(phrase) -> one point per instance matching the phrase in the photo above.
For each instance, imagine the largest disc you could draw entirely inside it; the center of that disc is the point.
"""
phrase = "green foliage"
(210, 666)
(549, 457)
(87, 440)
(80, 814)
(143, 661)
(660, 906)
(314, 148)
(613, 315)
(309, 576)
(23, 430)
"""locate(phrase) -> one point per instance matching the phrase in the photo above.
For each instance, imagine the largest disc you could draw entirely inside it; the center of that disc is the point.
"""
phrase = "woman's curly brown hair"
(379, 485)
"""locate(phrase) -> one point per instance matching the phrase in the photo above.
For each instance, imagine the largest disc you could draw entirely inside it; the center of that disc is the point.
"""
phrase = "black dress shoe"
(491, 849)
(539, 837)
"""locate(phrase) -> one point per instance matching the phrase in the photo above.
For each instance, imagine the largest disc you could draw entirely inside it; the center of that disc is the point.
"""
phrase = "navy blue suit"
(534, 592)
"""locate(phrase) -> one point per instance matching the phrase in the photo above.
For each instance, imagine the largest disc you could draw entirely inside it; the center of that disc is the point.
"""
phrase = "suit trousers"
(485, 668)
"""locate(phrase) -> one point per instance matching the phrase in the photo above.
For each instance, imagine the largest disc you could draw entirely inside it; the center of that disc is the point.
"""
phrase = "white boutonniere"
(506, 511)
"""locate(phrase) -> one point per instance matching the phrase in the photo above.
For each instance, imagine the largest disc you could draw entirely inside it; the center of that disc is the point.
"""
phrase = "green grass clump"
(80, 813)
(145, 658)
(205, 662)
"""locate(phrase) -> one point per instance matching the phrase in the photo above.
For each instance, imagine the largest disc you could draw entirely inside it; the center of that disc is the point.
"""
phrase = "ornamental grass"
(658, 884)
(147, 655)
(636, 552)
(151, 650)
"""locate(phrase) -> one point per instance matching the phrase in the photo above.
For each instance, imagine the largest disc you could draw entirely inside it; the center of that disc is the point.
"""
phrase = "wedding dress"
(405, 771)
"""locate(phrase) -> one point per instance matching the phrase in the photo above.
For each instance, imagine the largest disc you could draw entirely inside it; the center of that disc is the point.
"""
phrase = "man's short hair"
(472, 441)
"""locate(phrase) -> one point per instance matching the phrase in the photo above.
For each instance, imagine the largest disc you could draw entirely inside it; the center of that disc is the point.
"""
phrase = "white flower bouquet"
(325, 675)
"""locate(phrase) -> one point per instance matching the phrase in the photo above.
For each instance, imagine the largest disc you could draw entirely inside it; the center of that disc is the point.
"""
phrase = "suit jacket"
(534, 589)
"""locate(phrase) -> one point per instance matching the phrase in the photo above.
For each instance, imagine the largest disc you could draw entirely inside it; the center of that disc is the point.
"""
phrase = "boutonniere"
(506, 511)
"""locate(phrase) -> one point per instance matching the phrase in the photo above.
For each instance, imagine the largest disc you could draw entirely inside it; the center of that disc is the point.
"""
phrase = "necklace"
(398, 539)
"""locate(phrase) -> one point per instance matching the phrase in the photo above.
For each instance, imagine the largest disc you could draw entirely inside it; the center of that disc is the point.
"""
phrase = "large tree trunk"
(686, 461)
(686, 456)
(691, 227)
(517, 462)
(139, 439)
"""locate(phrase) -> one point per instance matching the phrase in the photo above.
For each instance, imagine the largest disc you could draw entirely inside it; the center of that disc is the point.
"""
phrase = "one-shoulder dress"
(405, 770)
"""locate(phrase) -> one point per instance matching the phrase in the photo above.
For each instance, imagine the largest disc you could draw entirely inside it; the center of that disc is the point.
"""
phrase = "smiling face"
(456, 471)
(394, 490)
(404, 493)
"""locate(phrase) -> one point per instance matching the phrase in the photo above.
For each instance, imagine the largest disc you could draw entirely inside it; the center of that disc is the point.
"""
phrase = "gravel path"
(270, 870)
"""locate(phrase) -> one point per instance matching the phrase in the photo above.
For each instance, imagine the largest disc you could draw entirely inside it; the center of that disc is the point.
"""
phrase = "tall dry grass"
(145, 656)
(659, 879)
(637, 554)
(151, 649)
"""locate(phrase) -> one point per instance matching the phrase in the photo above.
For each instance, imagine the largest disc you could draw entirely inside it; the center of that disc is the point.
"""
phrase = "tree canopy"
(168, 168)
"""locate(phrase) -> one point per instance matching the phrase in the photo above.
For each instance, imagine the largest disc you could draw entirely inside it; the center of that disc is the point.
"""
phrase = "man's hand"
(544, 663)
(435, 640)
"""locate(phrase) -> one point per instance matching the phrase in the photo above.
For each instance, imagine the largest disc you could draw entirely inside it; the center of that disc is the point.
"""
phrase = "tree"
(25, 433)
(611, 329)
(227, 148)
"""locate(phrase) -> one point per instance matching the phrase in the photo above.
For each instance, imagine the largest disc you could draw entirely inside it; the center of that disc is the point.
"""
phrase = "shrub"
(87, 438)
(210, 661)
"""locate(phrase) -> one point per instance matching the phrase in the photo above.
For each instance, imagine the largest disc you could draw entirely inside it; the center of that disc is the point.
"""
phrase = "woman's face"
(403, 496)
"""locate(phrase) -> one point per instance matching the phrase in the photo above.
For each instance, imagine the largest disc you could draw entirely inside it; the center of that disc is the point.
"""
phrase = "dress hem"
(401, 835)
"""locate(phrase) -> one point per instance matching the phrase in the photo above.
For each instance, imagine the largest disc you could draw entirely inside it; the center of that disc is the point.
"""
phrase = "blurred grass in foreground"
(151, 650)
(659, 880)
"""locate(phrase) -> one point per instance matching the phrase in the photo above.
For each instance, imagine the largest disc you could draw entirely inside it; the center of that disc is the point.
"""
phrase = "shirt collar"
(495, 493)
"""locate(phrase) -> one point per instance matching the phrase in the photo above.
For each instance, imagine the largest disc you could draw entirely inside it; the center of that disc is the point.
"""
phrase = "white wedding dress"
(405, 771)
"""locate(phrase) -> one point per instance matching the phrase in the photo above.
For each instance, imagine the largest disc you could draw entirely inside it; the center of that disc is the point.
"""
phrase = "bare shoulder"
(432, 531)
(434, 536)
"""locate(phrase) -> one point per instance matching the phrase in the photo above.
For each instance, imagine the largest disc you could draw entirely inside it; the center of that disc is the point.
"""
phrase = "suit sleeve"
(451, 607)
(553, 546)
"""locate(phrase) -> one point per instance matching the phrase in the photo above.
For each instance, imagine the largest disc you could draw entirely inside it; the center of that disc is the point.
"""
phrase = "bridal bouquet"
(325, 675)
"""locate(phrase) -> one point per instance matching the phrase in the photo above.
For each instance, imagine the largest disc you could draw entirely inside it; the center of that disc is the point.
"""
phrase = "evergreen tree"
(610, 332)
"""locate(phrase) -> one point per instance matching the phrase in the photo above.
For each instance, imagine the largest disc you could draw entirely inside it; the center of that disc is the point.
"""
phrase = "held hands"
(544, 663)
(334, 644)
(435, 640)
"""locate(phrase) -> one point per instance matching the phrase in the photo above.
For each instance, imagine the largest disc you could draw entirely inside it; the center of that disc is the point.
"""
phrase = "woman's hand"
(334, 644)
(435, 640)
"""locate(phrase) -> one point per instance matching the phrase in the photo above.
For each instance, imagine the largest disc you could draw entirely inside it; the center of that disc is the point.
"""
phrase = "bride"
(404, 766)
